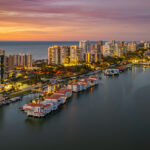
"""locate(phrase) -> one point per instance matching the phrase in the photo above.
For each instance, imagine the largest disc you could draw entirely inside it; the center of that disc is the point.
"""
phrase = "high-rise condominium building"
(54, 55)
(85, 46)
(18, 60)
(94, 47)
(28, 60)
(108, 49)
(64, 54)
(58, 55)
(99, 46)
(132, 46)
(2, 56)
(112, 42)
(76, 54)
(94, 54)
(119, 49)
(146, 45)
(122, 43)
(93, 57)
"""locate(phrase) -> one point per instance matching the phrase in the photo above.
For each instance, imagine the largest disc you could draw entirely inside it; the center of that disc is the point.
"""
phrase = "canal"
(113, 115)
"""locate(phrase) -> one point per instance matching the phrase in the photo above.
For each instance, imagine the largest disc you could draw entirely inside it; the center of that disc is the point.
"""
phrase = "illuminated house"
(66, 92)
(77, 87)
(38, 110)
(93, 80)
(60, 99)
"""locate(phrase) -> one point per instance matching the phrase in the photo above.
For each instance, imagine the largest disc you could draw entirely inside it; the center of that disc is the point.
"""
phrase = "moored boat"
(111, 72)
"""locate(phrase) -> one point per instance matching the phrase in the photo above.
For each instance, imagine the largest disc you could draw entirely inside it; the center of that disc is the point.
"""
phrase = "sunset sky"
(74, 19)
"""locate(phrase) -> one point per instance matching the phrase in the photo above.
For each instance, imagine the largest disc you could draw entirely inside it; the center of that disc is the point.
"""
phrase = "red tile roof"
(35, 105)
(48, 105)
(55, 96)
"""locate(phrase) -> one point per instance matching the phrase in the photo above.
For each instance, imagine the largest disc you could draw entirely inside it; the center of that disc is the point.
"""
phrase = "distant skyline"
(69, 20)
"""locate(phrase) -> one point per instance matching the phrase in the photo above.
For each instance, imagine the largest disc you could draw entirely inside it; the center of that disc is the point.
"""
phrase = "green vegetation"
(19, 94)
(112, 60)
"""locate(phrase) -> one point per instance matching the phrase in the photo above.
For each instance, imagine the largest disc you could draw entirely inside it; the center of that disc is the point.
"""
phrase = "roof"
(84, 79)
(27, 108)
(48, 105)
(47, 97)
(61, 92)
(35, 105)
(93, 77)
(44, 93)
(82, 82)
(55, 96)
(75, 84)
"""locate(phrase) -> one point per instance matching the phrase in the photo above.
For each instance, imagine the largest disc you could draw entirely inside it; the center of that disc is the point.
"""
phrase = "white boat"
(111, 72)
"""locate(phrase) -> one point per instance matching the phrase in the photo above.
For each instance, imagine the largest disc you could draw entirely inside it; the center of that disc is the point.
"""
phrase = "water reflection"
(2, 115)
(114, 113)
(112, 77)
(38, 122)
(141, 80)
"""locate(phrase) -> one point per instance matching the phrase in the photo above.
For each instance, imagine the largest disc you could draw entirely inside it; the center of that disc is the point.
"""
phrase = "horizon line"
(63, 40)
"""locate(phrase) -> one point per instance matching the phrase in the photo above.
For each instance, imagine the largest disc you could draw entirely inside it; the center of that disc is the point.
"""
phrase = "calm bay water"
(37, 48)
(113, 116)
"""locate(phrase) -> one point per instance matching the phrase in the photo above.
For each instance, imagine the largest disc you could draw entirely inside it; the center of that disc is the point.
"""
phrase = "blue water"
(39, 49)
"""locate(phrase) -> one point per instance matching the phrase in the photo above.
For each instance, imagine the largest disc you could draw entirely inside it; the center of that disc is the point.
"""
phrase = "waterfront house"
(61, 99)
(77, 87)
(54, 103)
(84, 84)
(38, 109)
(26, 107)
(93, 80)
(69, 86)
(66, 92)
(35, 110)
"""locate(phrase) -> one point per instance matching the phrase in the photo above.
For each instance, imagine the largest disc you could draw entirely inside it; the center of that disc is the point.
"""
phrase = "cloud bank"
(74, 19)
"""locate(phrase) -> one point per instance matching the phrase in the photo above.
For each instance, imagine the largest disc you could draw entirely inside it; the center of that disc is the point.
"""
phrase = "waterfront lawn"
(19, 94)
